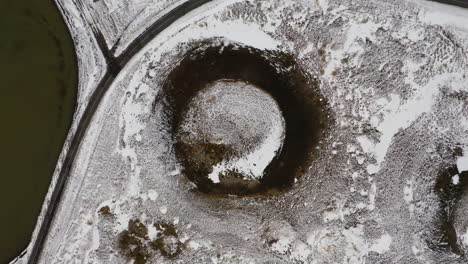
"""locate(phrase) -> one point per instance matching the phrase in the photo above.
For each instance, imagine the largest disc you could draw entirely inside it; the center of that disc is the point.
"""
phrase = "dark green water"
(38, 79)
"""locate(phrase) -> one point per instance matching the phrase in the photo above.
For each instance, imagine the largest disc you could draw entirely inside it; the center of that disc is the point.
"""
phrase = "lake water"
(39, 79)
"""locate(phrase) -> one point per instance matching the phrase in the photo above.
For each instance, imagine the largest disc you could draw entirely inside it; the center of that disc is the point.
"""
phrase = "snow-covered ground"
(120, 21)
(394, 74)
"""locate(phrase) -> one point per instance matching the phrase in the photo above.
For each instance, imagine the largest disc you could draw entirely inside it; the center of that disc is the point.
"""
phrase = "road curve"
(460, 3)
(115, 65)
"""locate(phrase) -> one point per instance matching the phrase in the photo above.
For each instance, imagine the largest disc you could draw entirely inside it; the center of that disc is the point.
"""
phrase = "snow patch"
(153, 195)
(443, 14)
(408, 195)
(465, 239)
(350, 46)
(462, 162)
(255, 162)
(372, 195)
(357, 248)
(152, 232)
(194, 245)
(188, 29)
(456, 179)
(398, 115)
(382, 245)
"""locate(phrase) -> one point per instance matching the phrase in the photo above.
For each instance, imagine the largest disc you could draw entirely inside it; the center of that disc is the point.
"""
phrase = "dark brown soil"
(445, 237)
(135, 244)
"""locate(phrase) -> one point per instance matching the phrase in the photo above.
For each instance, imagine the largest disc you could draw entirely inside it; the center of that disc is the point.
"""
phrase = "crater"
(244, 121)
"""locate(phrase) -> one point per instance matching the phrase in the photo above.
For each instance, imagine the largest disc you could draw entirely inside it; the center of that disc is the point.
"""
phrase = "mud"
(135, 244)
(450, 194)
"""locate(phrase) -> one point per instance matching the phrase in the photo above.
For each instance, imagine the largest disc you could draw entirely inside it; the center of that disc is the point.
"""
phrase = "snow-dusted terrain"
(394, 74)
